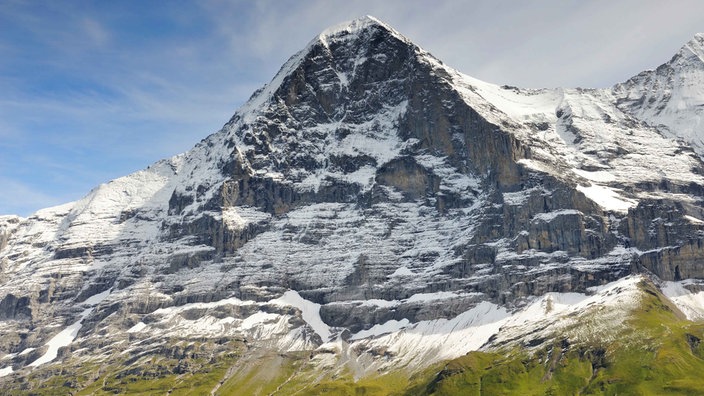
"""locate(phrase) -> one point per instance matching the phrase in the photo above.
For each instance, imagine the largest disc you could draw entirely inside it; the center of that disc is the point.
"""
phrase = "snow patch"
(257, 319)
(6, 371)
(64, 338)
(402, 271)
(550, 216)
(67, 335)
(137, 328)
(379, 329)
(97, 298)
(434, 340)
(309, 310)
(238, 217)
(608, 198)
(426, 297)
(596, 176)
(691, 304)
(693, 219)
(26, 351)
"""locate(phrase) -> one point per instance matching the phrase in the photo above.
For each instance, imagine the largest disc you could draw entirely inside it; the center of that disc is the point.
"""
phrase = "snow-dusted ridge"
(572, 132)
(354, 26)
(421, 343)
(671, 97)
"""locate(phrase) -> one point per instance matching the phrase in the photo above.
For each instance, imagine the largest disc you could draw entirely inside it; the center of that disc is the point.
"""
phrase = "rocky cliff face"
(367, 190)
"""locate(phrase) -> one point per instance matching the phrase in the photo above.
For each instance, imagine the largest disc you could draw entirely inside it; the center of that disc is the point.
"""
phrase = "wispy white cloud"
(95, 32)
(18, 197)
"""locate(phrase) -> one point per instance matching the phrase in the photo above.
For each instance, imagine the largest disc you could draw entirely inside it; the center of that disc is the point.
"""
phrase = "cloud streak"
(20, 195)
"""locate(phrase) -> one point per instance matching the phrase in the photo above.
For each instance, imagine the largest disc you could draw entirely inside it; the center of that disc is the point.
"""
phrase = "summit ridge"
(671, 97)
(355, 25)
(696, 46)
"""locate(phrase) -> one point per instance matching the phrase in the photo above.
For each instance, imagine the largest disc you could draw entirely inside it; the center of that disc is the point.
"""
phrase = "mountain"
(375, 221)
(672, 96)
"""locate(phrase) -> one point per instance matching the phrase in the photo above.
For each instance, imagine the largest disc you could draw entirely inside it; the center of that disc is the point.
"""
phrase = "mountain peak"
(350, 40)
(671, 97)
(355, 25)
(350, 29)
(694, 49)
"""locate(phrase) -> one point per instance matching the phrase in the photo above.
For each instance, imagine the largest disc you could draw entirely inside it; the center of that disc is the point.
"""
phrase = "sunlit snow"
(67, 335)
(309, 310)
(6, 371)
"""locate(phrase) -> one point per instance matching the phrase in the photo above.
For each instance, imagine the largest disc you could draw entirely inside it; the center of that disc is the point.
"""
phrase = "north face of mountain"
(369, 211)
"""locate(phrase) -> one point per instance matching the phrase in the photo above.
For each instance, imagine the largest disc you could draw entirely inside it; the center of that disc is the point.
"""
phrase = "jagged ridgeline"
(375, 222)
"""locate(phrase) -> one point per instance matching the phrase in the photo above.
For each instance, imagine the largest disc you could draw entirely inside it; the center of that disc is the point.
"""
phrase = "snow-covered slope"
(587, 133)
(670, 97)
(370, 198)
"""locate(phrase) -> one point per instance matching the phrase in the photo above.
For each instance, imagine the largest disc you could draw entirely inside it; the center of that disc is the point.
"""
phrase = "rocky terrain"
(369, 212)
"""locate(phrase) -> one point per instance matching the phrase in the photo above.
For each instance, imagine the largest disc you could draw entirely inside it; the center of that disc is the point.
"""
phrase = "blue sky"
(94, 90)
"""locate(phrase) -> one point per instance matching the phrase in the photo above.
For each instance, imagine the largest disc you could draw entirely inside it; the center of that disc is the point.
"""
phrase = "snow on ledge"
(550, 216)
(380, 329)
(67, 335)
(596, 176)
(6, 371)
(64, 338)
(97, 298)
(607, 198)
(171, 311)
(137, 328)
(691, 304)
(425, 297)
(402, 271)
(309, 310)
(693, 219)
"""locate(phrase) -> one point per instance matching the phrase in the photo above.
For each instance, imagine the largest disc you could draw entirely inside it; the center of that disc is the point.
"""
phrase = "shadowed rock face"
(366, 170)
(344, 82)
